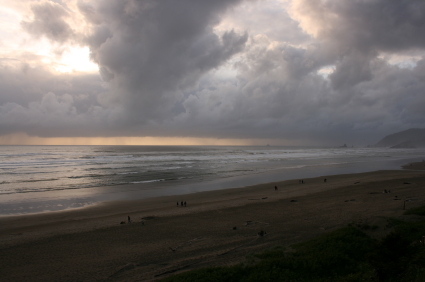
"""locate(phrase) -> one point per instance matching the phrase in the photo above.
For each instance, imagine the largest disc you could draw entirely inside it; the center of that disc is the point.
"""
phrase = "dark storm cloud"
(22, 83)
(350, 70)
(366, 95)
(361, 25)
(168, 71)
(292, 100)
(150, 51)
(49, 22)
(36, 101)
(89, 13)
(279, 93)
(389, 25)
(358, 30)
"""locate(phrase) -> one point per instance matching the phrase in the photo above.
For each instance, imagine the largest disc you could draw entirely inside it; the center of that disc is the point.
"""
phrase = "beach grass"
(346, 254)
(418, 211)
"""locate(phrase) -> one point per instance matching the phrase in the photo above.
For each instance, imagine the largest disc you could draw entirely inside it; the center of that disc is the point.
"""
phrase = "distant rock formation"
(411, 138)
(420, 143)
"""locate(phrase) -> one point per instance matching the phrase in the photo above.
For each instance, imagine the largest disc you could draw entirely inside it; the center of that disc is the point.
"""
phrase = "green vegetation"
(347, 254)
(418, 211)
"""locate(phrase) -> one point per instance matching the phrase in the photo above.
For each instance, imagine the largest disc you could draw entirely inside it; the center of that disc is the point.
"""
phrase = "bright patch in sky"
(402, 61)
(10, 30)
(12, 39)
(76, 59)
(326, 71)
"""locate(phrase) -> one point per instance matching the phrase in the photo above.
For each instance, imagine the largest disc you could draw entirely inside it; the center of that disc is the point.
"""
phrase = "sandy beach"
(215, 228)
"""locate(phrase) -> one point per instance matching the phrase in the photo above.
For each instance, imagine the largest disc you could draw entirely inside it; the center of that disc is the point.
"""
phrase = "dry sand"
(216, 228)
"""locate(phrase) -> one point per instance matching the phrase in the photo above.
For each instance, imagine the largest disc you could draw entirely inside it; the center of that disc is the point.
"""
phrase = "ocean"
(38, 179)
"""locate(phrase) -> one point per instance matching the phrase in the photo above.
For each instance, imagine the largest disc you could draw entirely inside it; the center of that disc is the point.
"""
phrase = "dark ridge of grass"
(323, 259)
(418, 211)
(346, 254)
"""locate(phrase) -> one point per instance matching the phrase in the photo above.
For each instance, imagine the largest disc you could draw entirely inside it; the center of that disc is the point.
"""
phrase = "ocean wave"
(47, 189)
(87, 157)
(68, 168)
(37, 180)
(28, 181)
(26, 172)
(147, 181)
(98, 168)
(235, 170)
(95, 175)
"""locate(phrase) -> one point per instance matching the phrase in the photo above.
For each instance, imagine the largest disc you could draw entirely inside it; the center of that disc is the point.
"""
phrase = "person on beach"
(129, 220)
(275, 188)
(185, 203)
(177, 203)
(181, 203)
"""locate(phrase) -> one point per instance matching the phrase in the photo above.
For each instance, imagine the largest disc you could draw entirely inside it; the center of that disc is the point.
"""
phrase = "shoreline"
(60, 200)
(293, 213)
(198, 201)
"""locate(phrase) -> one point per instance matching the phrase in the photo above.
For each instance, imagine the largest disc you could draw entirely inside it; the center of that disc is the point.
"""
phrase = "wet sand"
(216, 228)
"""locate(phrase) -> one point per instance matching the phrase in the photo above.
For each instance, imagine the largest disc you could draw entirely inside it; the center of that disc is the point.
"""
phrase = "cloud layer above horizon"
(318, 72)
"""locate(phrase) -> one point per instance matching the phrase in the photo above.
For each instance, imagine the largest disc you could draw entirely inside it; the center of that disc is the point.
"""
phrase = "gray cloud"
(22, 83)
(383, 24)
(151, 51)
(167, 71)
(89, 13)
(278, 94)
(357, 31)
(147, 51)
(36, 101)
(49, 22)
(267, 18)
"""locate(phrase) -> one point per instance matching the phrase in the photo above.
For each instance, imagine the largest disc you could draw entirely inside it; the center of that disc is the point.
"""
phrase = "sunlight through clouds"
(283, 70)
(76, 59)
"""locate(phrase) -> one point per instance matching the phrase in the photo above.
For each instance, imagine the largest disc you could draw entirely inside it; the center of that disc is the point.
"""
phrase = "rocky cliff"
(411, 138)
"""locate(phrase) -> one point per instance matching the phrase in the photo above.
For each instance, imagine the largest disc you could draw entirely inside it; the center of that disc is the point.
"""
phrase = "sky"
(211, 72)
